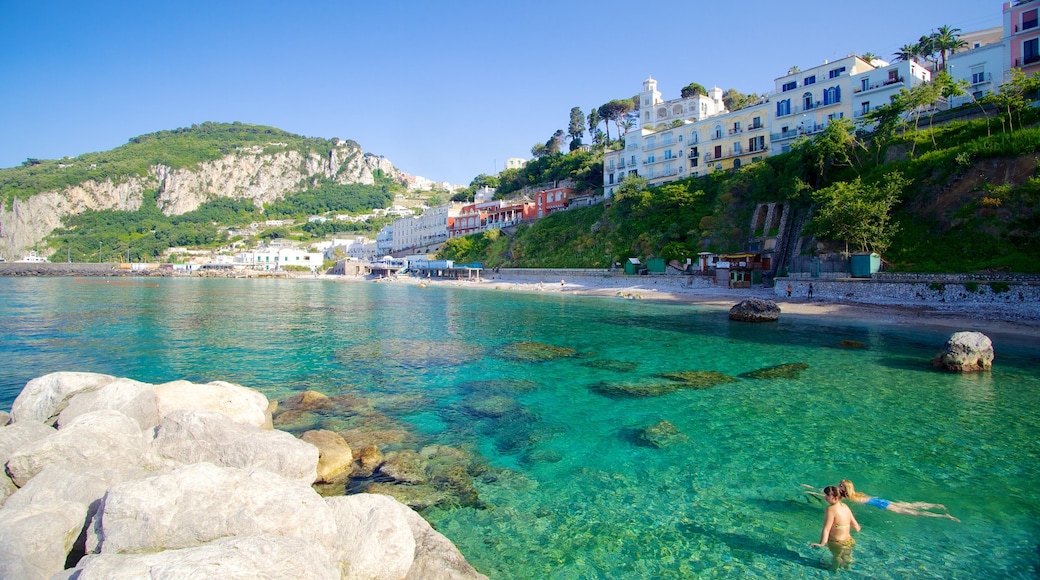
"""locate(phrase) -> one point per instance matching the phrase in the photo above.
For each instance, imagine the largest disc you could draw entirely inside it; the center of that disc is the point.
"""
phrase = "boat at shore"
(32, 258)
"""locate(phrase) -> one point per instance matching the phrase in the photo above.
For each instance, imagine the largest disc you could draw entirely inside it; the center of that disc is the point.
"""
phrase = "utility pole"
(99, 252)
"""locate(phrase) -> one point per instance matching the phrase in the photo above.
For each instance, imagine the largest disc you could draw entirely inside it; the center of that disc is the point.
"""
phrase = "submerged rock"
(335, 460)
(634, 390)
(846, 343)
(784, 371)
(660, 434)
(615, 366)
(698, 379)
(966, 352)
(529, 351)
(755, 310)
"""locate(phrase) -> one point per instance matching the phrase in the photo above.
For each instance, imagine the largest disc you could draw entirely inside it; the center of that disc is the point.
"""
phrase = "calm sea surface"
(573, 494)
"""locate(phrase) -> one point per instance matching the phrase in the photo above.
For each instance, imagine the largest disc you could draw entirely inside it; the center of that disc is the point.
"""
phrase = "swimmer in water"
(838, 523)
(910, 508)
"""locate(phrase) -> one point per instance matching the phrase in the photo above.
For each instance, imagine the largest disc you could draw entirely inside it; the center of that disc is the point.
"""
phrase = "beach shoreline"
(992, 322)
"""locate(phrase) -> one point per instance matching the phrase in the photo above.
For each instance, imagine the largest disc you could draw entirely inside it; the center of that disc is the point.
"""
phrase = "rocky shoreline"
(110, 477)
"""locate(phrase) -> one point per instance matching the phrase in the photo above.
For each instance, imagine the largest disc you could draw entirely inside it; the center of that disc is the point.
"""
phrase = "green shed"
(863, 264)
(632, 266)
(655, 265)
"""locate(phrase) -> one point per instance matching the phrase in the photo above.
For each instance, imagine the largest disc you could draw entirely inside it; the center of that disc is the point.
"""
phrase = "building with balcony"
(727, 141)
(805, 102)
(656, 114)
(423, 230)
(982, 68)
(1022, 36)
(877, 87)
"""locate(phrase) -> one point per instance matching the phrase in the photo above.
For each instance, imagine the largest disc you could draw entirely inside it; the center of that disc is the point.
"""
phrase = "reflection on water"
(491, 405)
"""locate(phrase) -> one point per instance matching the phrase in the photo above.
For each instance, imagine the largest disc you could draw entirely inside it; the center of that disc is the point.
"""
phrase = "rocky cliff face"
(246, 174)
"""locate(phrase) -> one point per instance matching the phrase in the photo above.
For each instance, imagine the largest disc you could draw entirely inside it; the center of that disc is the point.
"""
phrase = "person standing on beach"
(788, 290)
(838, 523)
(810, 290)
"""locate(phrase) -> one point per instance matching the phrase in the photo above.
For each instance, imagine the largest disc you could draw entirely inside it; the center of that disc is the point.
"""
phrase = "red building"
(498, 214)
(552, 200)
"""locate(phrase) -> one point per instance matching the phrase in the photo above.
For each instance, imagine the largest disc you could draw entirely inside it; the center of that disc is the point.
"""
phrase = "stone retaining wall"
(62, 269)
(926, 292)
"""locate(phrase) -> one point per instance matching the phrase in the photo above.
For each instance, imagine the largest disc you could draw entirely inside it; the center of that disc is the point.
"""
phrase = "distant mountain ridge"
(184, 168)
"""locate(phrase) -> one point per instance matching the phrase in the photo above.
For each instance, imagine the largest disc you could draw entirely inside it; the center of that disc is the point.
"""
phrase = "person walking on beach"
(788, 290)
(909, 508)
(810, 291)
(838, 523)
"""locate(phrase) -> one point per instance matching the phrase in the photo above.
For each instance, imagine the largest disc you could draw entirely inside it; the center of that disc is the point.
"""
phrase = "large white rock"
(35, 540)
(375, 541)
(106, 438)
(240, 404)
(187, 437)
(132, 398)
(44, 397)
(201, 503)
(12, 438)
(241, 557)
(966, 352)
(436, 558)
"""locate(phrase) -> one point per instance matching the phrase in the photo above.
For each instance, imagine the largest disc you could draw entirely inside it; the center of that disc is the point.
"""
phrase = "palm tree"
(870, 57)
(947, 41)
(907, 52)
(926, 48)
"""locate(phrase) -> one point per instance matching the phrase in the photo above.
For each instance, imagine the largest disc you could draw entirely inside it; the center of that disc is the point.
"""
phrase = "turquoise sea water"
(573, 494)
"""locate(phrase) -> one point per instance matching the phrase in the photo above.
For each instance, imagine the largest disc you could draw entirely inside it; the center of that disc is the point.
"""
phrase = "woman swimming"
(910, 508)
(838, 521)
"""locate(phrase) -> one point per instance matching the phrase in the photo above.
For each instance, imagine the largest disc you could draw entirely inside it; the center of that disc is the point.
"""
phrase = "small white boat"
(32, 258)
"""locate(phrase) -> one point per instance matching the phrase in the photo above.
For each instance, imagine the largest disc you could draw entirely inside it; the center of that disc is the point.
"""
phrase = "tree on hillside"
(692, 90)
(1014, 96)
(947, 41)
(858, 214)
(906, 53)
(576, 128)
(594, 121)
(735, 100)
(870, 57)
(615, 111)
(484, 180)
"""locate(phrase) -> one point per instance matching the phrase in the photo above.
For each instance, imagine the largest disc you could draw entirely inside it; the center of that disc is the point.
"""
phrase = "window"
(756, 144)
(837, 72)
(756, 123)
(633, 160)
(694, 161)
(650, 159)
(693, 137)
(612, 165)
(893, 76)
(807, 101)
(1031, 51)
(736, 148)
(978, 75)
(694, 152)
(718, 152)
(1029, 19)
(783, 107)
(809, 80)
(864, 84)
(790, 86)
(866, 107)
(832, 96)
(718, 132)
(668, 154)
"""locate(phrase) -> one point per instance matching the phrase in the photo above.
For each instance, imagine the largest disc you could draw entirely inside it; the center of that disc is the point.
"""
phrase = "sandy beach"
(1022, 325)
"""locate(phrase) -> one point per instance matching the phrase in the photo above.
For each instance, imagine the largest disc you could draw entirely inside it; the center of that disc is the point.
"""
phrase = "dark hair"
(833, 491)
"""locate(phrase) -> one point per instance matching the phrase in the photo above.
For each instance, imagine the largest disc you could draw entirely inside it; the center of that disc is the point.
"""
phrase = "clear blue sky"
(446, 90)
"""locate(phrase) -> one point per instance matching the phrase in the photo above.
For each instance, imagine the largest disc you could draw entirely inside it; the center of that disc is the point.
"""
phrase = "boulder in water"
(755, 310)
(966, 352)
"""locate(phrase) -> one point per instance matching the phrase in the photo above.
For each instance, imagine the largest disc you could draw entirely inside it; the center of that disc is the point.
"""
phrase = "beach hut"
(655, 265)
(863, 264)
(633, 265)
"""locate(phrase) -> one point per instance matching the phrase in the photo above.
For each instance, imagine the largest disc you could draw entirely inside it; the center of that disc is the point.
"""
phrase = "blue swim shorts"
(879, 503)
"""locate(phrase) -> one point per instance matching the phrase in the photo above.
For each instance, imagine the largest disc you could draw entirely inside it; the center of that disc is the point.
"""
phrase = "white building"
(385, 241)
(982, 68)
(362, 248)
(657, 114)
(805, 102)
(423, 230)
(874, 88)
(515, 163)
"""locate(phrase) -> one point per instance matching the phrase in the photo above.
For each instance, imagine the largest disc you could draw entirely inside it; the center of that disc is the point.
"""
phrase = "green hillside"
(963, 196)
(177, 149)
